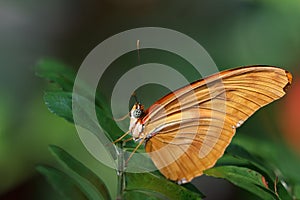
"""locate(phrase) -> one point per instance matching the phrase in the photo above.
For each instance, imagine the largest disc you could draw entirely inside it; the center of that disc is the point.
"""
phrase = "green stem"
(120, 171)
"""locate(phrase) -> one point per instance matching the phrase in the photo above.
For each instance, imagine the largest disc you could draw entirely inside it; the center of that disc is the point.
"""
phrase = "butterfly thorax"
(136, 126)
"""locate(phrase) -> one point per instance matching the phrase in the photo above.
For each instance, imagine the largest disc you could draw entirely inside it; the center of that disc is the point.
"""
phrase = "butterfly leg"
(135, 149)
(120, 138)
(127, 140)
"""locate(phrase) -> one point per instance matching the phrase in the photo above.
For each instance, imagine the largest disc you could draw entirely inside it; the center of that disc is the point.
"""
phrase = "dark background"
(234, 32)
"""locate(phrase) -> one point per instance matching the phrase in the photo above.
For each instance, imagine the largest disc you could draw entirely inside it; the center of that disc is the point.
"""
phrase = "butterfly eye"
(137, 113)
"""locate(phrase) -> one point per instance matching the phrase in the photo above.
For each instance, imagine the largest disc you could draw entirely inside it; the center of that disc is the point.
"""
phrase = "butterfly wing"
(189, 129)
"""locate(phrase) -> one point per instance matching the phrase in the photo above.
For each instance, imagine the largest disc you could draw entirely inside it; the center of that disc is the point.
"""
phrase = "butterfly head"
(137, 111)
(136, 127)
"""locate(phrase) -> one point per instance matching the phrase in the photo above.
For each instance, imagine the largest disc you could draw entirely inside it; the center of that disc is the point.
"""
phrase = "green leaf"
(156, 186)
(251, 161)
(245, 178)
(56, 72)
(62, 183)
(287, 163)
(297, 191)
(281, 191)
(60, 103)
(88, 180)
(278, 157)
(146, 195)
(63, 76)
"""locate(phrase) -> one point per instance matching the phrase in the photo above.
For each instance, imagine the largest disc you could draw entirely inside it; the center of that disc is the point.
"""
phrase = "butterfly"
(188, 130)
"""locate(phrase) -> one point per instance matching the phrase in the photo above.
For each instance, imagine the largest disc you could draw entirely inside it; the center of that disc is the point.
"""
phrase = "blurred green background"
(234, 32)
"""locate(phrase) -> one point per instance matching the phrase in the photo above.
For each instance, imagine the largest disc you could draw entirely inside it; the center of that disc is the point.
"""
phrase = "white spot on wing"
(182, 181)
(239, 123)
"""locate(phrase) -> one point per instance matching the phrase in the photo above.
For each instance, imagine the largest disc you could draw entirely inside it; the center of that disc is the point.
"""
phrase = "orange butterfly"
(188, 130)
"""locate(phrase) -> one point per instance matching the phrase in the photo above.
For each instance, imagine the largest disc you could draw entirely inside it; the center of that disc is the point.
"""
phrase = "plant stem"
(120, 171)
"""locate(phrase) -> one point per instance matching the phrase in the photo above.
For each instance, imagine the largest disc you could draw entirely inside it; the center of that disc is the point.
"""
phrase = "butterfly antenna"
(135, 97)
(138, 50)
(138, 55)
(121, 118)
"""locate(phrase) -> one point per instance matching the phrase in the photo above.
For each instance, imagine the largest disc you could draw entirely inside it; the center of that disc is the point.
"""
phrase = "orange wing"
(188, 130)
